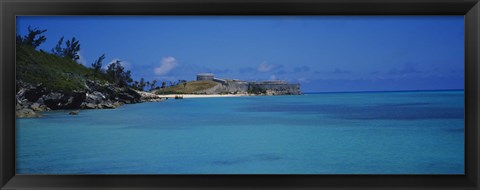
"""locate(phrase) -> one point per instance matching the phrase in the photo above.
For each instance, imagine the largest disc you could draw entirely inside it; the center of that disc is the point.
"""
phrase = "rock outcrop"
(150, 97)
(33, 99)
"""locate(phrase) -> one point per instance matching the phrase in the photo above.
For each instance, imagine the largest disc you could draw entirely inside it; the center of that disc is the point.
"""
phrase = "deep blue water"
(330, 133)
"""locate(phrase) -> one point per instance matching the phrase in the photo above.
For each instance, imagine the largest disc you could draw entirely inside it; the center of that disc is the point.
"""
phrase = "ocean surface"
(324, 133)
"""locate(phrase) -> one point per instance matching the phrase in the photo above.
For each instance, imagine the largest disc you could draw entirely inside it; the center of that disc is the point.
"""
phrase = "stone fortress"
(234, 86)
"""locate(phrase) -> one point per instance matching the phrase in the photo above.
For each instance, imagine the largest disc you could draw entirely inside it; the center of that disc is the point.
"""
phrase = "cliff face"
(279, 89)
(240, 87)
(32, 99)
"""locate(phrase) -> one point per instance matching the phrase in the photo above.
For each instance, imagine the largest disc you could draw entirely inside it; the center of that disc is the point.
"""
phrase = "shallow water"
(327, 133)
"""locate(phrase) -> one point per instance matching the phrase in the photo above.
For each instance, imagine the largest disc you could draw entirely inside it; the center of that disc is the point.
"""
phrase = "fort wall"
(225, 86)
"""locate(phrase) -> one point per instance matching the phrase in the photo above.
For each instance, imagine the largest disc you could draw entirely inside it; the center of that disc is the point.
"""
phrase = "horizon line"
(367, 91)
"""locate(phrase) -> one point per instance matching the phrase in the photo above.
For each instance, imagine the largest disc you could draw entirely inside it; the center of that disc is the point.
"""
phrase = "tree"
(97, 65)
(164, 84)
(33, 38)
(147, 84)
(58, 50)
(72, 49)
(135, 85)
(141, 84)
(111, 70)
(152, 85)
(127, 77)
(117, 74)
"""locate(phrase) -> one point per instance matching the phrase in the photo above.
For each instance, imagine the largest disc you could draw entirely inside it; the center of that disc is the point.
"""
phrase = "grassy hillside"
(55, 73)
(188, 88)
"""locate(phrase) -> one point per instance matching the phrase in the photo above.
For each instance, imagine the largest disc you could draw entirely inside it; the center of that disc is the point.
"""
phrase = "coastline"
(33, 100)
(143, 97)
(203, 95)
(151, 97)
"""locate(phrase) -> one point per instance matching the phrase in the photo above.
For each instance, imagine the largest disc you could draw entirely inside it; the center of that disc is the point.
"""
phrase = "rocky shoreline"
(31, 100)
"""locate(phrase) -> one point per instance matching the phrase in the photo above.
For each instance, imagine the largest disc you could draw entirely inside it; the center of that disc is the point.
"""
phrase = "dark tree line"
(97, 66)
(140, 85)
(33, 38)
(71, 49)
(119, 76)
(116, 72)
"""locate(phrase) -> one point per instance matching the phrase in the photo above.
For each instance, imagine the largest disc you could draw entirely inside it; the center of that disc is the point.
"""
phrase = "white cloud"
(166, 65)
(125, 64)
(265, 67)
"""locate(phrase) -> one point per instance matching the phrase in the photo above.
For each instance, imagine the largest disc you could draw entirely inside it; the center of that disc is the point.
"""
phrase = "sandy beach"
(202, 95)
(152, 96)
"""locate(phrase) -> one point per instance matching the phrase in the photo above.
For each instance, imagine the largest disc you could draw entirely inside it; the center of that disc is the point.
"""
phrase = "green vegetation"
(55, 73)
(117, 74)
(70, 51)
(253, 89)
(59, 71)
(139, 85)
(187, 87)
(97, 65)
(152, 85)
(33, 38)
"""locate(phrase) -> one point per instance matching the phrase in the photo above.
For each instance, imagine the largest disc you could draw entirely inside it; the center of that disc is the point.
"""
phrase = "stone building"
(204, 76)
(276, 87)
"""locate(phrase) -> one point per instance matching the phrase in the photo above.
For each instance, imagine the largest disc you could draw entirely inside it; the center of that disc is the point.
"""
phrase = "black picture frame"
(9, 9)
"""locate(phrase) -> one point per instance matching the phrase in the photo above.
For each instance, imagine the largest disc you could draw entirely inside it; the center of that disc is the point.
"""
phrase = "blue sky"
(322, 53)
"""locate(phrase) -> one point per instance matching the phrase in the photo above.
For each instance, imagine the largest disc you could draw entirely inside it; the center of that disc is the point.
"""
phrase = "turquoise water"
(329, 133)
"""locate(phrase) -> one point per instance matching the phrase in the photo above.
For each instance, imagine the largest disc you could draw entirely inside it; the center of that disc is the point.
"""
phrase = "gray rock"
(40, 101)
(36, 98)
(36, 107)
(26, 113)
(90, 106)
(108, 105)
(24, 104)
(129, 96)
(74, 112)
(117, 104)
(64, 101)
(32, 94)
(95, 97)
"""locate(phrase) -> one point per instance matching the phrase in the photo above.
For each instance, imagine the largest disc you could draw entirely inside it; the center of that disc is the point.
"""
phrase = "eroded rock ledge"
(33, 99)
